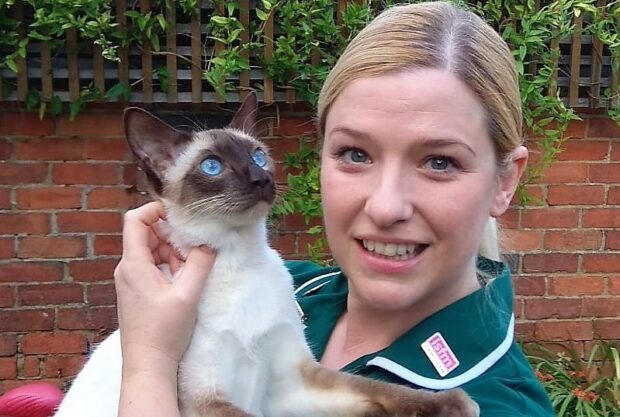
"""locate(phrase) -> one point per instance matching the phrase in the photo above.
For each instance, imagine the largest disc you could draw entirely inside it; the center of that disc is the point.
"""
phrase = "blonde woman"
(421, 127)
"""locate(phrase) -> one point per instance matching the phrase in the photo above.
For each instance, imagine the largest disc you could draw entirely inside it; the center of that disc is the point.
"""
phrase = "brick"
(93, 269)
(8, 344)
(613, 285)
(550, 262)
(603, 128)
(112, 197)
(613, 196)
(44, 294)
(510, 219)
(283, 243)
(584, 150)
(557, 308)
(565, 172)
(572, 285)
(92, 318)
(601, 217)
(108, 150)
(8, 368)
(25, 124)
(53, 342)
(576, 129)
(101, 294)
(6, 149)
(7, 296)
(514, 240)
(535, 195)
(550, 218)
(612, 240)
(108, 245)
(48, 149)
(33, 223)
(58, 366)
(607, 329)
(49, 198)
(605, 173)
(14, 173)
(130, 173)
(524, 332)
(52, 247)
(575, 195)
(92, 125)
(93, 221)
(570, 240)
(7, 247)
(601, 262)
(563, 330)
(32, 366)
(529, 285)
(5, 198)
(26, 320)
(615, 151)
(294, 126)
(29, 271)
(71, 173)
(279, 148)
(517, 307)
(601, 307)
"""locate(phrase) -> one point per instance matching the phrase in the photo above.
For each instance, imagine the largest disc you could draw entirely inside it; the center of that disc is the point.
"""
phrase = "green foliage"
(579, 388)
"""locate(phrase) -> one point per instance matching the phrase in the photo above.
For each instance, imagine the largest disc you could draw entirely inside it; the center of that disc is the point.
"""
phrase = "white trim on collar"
(449, 383)
(312, 281)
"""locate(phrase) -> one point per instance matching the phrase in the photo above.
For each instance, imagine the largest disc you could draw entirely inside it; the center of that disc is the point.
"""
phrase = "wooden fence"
(584, 64)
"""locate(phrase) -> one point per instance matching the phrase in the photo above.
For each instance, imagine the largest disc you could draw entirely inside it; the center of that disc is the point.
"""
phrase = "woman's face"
(409, 179)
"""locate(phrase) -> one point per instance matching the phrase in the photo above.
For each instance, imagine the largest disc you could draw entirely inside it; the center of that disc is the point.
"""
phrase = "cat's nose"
(259, 177)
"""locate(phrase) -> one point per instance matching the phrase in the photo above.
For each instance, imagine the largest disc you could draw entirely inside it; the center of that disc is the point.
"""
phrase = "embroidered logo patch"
(440, 354)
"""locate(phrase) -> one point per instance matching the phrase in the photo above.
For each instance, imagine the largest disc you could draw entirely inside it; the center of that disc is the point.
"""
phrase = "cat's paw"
(456, 403)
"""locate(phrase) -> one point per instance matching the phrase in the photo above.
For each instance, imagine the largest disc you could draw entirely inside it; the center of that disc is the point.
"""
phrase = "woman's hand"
(156, 316)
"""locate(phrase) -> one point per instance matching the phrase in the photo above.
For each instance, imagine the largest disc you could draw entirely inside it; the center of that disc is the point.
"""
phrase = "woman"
(421, 127)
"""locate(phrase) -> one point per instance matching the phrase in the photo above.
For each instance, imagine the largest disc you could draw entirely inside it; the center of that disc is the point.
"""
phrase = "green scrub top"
(469, 344)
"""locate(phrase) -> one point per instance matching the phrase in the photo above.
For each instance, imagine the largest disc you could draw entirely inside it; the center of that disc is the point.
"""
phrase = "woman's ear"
(508, 181)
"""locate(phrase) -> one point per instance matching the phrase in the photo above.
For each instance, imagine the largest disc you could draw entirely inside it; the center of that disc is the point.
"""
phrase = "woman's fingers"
(193, 274)
(138, 237)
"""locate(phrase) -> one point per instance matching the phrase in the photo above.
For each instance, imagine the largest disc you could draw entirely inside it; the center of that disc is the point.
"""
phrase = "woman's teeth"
(393, 250)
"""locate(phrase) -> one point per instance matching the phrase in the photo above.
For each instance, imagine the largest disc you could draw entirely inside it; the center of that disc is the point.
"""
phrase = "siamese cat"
(248, 355)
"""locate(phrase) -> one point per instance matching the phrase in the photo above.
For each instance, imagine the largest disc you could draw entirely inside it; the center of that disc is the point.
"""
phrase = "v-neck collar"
(478, 329)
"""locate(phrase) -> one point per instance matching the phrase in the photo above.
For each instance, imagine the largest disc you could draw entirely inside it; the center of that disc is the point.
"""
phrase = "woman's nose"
(389, 202)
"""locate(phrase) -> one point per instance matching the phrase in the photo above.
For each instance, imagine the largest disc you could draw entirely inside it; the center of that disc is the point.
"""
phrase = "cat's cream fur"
(248, 355)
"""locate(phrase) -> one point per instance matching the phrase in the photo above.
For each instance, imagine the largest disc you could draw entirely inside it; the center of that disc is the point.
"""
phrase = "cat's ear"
(245, 118)
(154, 143)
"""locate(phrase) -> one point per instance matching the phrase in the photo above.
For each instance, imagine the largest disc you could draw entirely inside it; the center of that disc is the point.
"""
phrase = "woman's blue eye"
(440, 163)
(356, 156)
(260, 158)
(211, 166)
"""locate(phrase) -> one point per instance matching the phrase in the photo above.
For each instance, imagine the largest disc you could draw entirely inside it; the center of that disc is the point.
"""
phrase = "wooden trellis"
(584, 64)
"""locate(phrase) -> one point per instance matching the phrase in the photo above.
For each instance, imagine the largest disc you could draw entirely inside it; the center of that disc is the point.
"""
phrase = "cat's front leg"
(327, 392)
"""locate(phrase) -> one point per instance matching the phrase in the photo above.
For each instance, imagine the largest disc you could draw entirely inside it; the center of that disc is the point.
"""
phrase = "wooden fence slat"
(47, 84)
(72, 64)
(196, 58)
(268, 55)
(244, 18)
(123, 63)
(98, 73)
(171, 49)
(147, 60)
(22, 69)
(575, 63)
(342, 5)
(615, 76)
(596, 66)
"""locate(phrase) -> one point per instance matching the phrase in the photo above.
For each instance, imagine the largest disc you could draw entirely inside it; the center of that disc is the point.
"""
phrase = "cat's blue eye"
(260, 158)
(211, 166)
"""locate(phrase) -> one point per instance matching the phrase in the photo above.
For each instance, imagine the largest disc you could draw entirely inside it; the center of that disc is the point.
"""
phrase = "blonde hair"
(438, 35)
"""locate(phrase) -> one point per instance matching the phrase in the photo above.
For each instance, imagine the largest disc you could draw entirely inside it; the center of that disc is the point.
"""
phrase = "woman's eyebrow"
(357, 134)
(443, 143)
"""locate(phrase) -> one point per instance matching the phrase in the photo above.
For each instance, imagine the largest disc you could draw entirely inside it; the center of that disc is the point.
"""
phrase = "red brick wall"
(65, 185)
